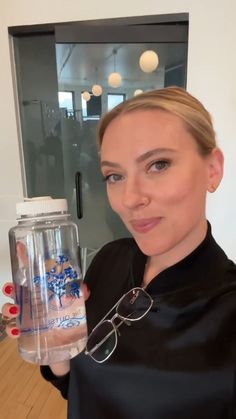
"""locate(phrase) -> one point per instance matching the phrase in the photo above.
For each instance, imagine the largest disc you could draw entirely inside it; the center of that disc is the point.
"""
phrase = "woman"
(177, 360)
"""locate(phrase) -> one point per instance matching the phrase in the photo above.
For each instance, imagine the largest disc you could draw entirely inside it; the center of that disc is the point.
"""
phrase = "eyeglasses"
(132, 306)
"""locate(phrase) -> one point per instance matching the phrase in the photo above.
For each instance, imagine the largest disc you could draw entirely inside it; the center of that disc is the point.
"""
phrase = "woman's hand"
(11, 311)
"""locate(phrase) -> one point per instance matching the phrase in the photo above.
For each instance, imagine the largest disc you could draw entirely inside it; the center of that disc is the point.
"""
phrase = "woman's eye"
(112, 178)
(159, 166)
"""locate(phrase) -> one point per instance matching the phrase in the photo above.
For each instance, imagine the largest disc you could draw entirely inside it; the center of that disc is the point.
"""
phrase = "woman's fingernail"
(13, 310)
(15, 332)
(8, 289)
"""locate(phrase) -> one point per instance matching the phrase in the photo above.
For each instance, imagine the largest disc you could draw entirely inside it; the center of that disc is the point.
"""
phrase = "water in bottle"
(47, 277)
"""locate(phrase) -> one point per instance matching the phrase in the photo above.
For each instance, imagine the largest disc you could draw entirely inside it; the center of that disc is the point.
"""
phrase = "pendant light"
(97, 88)
(148, 61)
(115, 79)
(138, 92)
(86, 96)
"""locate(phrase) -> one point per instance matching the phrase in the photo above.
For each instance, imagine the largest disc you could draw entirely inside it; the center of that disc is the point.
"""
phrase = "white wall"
(211, 68)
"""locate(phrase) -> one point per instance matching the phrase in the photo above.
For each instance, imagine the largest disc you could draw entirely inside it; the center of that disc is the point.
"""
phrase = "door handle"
(78, 189)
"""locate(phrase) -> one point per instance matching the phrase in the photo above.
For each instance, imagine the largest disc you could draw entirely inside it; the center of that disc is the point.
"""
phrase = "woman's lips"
(144, 225)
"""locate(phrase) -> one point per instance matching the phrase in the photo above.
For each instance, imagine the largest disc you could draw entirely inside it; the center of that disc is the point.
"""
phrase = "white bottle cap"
(41, 205)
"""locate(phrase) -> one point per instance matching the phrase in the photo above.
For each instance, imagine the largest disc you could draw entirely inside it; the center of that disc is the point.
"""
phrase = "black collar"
(205, 263)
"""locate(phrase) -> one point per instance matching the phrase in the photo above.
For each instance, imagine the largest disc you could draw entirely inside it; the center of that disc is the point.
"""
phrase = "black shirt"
(178, 362)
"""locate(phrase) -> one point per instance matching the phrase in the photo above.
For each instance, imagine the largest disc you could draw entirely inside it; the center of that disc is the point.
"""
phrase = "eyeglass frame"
(115, 327)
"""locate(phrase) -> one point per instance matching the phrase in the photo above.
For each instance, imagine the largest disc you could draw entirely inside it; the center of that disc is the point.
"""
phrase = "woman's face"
(156, 179)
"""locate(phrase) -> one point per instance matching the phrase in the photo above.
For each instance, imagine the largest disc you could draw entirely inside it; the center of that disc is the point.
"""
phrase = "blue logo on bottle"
(62, 283)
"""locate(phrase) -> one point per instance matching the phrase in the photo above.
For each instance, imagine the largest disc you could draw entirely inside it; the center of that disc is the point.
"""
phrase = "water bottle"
(47, 277)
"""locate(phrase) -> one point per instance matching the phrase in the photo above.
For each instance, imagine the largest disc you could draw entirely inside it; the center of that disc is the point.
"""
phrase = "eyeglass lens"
(102, 341)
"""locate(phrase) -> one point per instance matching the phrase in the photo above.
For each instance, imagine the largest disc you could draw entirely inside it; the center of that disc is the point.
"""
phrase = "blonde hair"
(176, 101)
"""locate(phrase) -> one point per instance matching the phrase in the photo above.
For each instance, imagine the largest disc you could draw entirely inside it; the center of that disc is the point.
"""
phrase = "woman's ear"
(215, 169)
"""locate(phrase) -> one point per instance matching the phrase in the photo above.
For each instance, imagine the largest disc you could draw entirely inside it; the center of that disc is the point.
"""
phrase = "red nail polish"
(15, 332)
(13, 310)
(8, 289)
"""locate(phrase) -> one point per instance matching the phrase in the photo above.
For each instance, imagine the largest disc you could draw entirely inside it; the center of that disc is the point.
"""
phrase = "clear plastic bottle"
(47, 276)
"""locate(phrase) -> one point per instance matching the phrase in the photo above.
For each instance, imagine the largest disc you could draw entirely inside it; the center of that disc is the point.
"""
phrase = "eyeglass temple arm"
(107, 314)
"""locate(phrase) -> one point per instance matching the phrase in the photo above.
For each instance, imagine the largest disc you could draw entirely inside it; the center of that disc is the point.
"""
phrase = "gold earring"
(212, 188)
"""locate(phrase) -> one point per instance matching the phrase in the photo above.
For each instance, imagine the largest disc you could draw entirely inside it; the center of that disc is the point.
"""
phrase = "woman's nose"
(134, 194)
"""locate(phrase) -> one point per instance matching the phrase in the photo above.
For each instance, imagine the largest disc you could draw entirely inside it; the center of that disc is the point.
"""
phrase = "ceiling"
(86, 64)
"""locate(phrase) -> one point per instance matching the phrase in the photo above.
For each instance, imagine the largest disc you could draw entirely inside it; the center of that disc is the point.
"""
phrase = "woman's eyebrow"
(142, 157)
(154, 152)
(110, 164)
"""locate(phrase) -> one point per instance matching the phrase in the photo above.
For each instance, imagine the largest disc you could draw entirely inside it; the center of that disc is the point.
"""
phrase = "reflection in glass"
(66, 102)
(114, 99)
(92, 108)
(40, 115)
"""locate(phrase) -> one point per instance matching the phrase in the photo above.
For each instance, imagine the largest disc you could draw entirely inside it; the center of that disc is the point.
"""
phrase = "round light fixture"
(97, 90)
(115, 80)
(148, 61)
(138, 92)
(86, 96)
